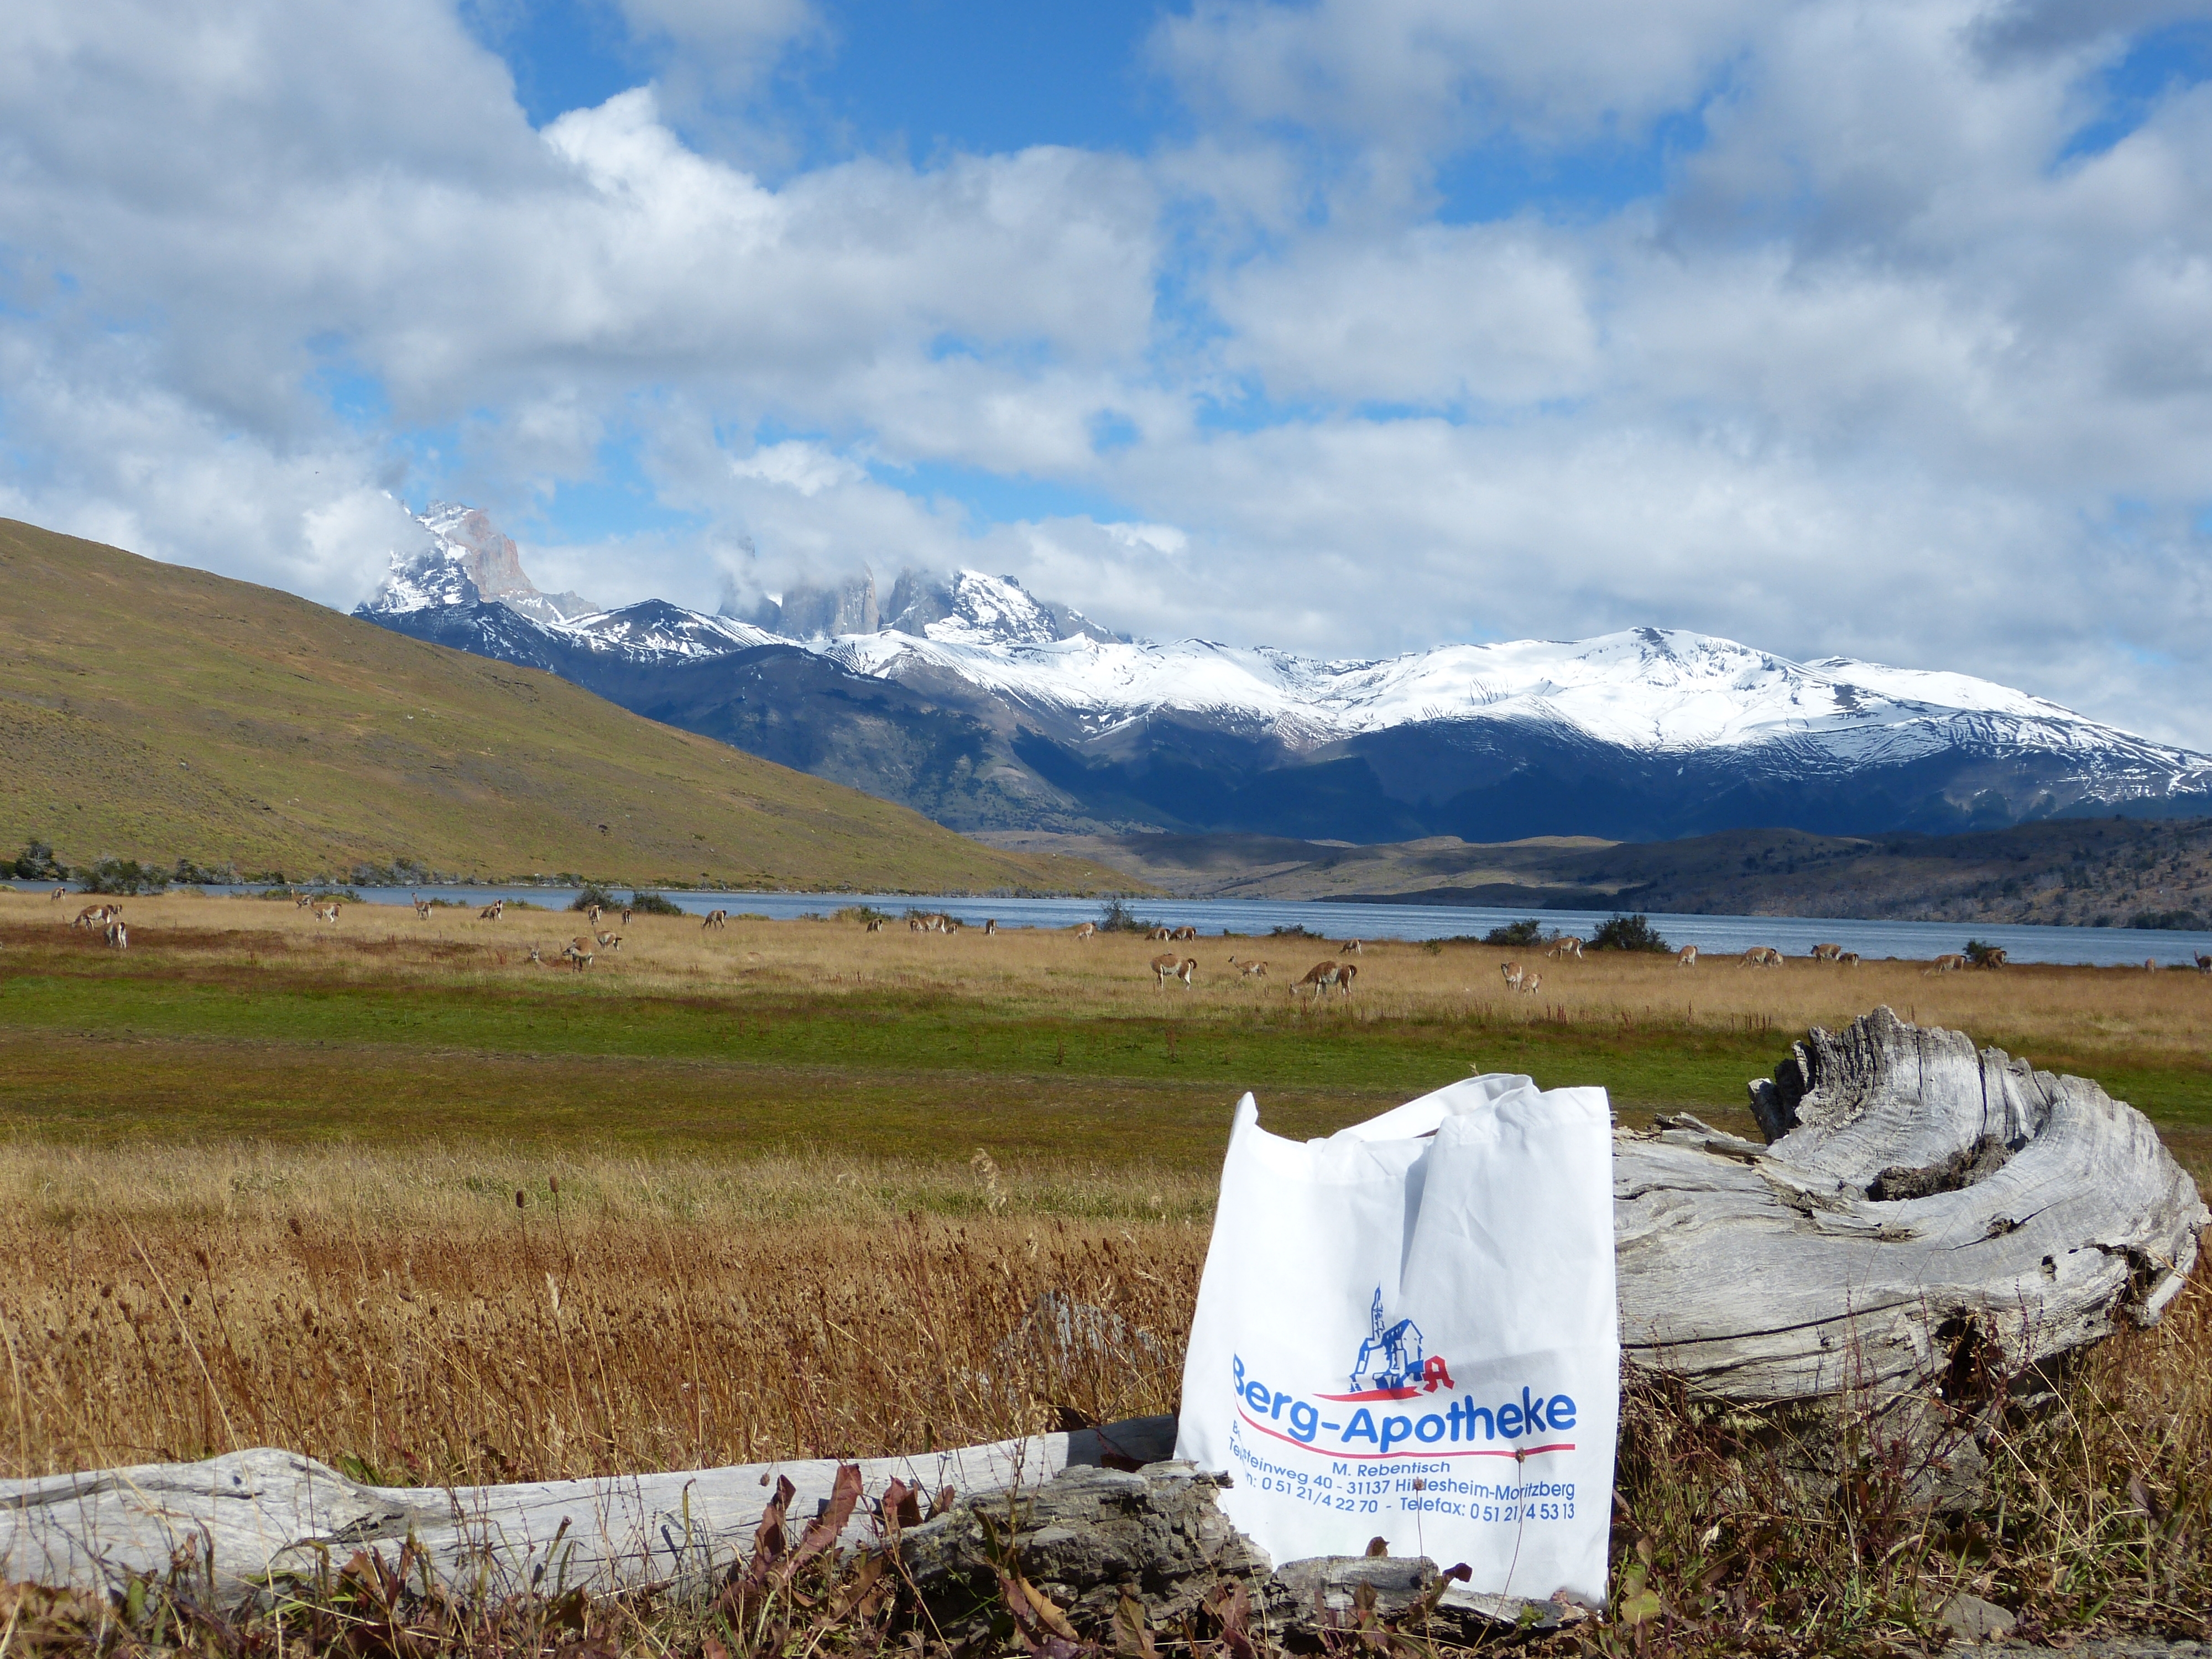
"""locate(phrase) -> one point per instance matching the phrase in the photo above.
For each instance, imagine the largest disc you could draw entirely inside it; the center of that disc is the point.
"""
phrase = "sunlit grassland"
(248, 1017)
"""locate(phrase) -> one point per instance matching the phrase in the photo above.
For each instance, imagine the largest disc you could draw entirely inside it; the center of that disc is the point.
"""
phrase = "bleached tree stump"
(1915, 1198)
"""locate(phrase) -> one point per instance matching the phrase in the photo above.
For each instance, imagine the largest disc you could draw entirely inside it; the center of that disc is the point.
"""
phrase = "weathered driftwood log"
(262, 1513)
(1916, 1201)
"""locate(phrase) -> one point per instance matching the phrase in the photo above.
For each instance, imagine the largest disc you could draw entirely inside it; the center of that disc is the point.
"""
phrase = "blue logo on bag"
(1392, 1365)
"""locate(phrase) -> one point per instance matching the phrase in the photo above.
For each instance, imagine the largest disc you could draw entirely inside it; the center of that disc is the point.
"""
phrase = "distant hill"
(972, 700)
(154, 713)
(2119, 871)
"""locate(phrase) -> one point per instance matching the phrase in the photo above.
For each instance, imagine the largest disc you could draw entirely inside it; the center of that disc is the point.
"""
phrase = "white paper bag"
(1408, 1330)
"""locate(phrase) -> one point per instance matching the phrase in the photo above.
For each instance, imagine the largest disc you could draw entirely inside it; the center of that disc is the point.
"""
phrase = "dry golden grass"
(404, 1315)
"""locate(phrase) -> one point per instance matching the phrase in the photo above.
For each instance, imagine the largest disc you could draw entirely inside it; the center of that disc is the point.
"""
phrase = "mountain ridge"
(1052, 723)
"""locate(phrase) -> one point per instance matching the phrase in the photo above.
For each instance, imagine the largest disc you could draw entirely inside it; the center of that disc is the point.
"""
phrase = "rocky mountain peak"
(964, 608)
(465, 560)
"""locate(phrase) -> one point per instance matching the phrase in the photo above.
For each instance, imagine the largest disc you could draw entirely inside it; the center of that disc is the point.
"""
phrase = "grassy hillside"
(155, 713)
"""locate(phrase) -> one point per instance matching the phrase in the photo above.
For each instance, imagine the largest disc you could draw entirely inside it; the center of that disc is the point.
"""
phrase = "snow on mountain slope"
(652, 631)
(1657, 691)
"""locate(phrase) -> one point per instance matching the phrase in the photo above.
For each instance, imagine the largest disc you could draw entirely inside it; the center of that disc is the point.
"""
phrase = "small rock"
(1083, 1539)
(1972, 1619)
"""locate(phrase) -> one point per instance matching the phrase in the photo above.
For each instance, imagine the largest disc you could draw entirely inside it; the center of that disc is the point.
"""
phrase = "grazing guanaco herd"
(580, 952)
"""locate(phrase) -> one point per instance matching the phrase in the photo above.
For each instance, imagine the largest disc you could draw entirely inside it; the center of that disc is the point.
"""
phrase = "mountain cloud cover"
(1878, 330)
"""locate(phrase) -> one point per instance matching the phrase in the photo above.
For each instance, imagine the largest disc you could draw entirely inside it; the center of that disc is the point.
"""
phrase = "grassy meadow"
(232, 1018)
(386, 1193)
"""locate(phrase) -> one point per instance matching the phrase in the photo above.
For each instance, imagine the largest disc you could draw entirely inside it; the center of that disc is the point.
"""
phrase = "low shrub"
(1115, 917)
(123, 876)
(1634, 932)
(652, 904)
(1516, 935)
(35, 863)
(591, 893)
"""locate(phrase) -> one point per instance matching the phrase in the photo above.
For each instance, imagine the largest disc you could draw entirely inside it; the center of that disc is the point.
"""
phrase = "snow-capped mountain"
(986, 707)
(466, 560)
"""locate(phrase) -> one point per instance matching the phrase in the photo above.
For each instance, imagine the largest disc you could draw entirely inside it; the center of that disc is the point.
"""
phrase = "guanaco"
(422, 906)
(1320, 976)
(1351, 948)
(1514, 973)
(1184, 931)
(1687, 956)
(1086, 930)
(1345, 974)
(1564, 946)
(715, 919)
(1249, 969)
(608, 941)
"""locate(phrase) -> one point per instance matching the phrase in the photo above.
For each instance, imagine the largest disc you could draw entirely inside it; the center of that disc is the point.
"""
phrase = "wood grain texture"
(265, 1513)
(1915, 1195)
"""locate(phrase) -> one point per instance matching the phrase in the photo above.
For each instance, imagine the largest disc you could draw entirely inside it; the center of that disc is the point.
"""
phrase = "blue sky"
(1872, 327)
